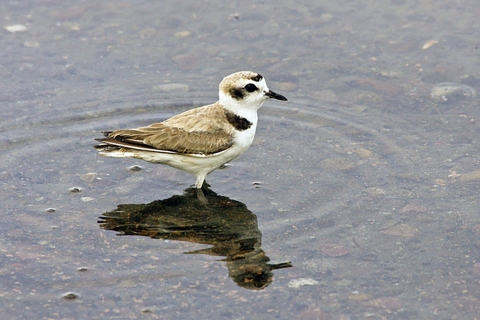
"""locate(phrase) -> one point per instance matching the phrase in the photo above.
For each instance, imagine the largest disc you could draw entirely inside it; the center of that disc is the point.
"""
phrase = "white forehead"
(241, 79)
(242, 82)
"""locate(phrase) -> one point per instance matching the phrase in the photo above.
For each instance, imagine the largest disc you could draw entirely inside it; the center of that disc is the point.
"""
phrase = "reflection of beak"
(275, 95)
(281, 265)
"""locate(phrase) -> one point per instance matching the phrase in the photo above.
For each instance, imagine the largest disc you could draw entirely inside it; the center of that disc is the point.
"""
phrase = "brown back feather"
(198, 131)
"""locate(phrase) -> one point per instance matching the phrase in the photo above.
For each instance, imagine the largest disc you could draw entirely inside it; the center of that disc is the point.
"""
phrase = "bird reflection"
(225, 224)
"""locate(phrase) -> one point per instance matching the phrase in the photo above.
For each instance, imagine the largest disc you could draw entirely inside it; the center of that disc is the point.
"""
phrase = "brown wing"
(197, 131)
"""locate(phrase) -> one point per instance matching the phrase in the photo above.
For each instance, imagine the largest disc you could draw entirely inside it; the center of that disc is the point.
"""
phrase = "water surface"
(364, 181)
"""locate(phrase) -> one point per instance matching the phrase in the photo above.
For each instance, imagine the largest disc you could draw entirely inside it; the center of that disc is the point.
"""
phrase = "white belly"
(194, 164)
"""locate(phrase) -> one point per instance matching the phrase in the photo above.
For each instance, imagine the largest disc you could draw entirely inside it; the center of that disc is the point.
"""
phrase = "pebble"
(441, 182)
(429, 44)
(364, 153)
(16, 28)
(147, 311)
(297, 283)
(447, 92)
(402, 230)
(373, 191)
(70, 296)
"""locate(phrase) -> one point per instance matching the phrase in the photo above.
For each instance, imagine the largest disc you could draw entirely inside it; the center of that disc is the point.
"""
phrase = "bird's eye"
(251, 87)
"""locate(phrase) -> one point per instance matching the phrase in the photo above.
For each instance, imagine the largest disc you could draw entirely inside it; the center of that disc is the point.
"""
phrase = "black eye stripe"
(236, 94)
(251, 87)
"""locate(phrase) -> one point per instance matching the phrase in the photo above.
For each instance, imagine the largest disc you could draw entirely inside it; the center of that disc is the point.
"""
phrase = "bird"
(200, 140)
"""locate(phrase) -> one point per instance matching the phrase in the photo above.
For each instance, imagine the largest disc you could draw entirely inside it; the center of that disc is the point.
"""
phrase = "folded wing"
(197, 131)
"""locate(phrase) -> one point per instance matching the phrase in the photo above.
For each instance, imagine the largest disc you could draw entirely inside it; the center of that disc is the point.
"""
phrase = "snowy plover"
(200, 140)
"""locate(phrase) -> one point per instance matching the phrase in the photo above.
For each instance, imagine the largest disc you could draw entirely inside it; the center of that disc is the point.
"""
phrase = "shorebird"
(199, 140)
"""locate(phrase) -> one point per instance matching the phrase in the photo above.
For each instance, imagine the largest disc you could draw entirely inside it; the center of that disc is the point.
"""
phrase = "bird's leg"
(199, 184)
(201, 197)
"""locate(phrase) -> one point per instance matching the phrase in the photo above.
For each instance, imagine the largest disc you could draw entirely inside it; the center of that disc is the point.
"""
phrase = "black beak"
(275, 95)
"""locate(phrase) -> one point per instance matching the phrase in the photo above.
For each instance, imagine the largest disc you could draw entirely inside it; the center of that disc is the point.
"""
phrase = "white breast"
(244, 138)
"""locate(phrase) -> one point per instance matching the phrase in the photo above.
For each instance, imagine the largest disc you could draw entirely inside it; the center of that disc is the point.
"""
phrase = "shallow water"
(366, 183)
